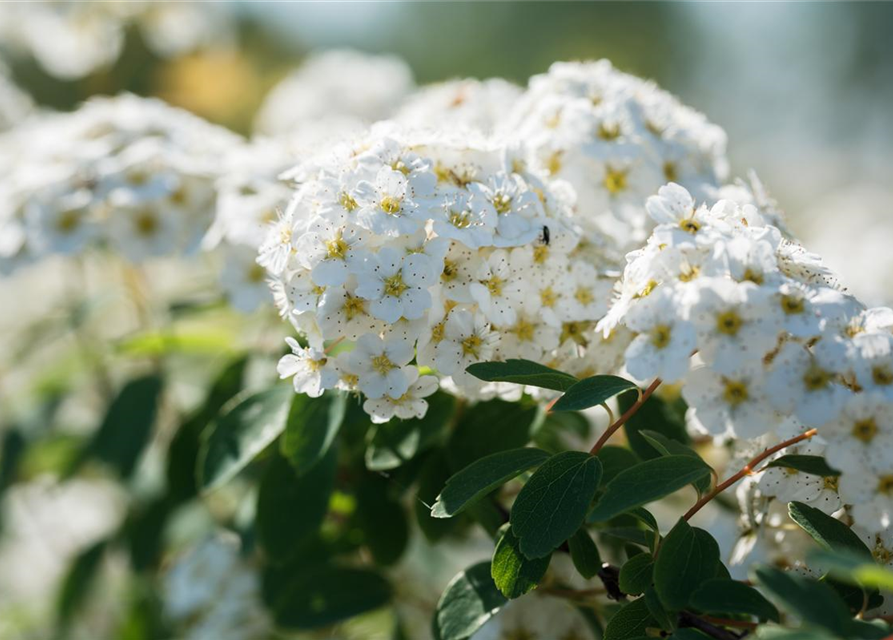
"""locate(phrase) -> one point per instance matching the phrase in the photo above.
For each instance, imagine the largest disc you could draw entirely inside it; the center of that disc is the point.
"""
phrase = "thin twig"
(747, 470)
(332, 345)
(629, 413)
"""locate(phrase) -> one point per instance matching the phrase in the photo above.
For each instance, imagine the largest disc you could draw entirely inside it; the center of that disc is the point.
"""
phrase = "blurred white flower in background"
(15, 104)
(337, 90)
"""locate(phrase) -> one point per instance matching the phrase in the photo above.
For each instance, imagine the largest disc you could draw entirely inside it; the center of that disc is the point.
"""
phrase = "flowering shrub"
(534, 332)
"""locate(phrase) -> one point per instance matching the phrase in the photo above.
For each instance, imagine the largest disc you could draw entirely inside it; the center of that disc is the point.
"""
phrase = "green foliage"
(290, 508)
(311, 428)
(853, 567)
(614, 460)
(434, 475)
(329, 594)
(687, 557)
(523, 372)
(382, 519)
(247, 425)
(816, 465)
(127, 427)
(584, 553)
(668, 447)
(829, 532)
(513, 573)
(666, 417)
(646, 482)
(468, 602)
(635, 574)
(591, 392)
(483, 476)
(632, 621)
(396, 442)
(554, 502)
(719, 597)
(76, 584)
(488, 427)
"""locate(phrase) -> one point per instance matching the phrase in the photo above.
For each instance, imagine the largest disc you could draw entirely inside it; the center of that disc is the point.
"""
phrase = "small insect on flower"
(544, 236)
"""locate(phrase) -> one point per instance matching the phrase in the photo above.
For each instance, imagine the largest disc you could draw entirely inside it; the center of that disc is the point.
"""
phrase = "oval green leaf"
(591, 392)
(815, 465)
(514, 574)
(632, 621)
(635, 574)
(688, 557)
(646, 482)
(483, 476)
(719, 596)
(584, 553)
(829, 532)
(554, 502)
(469, 601)
(523, 372)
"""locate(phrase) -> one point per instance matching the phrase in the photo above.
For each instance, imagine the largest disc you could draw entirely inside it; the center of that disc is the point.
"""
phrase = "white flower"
(342, 313)
(665, 342)
(735, 322)
(381, 366)
(409, 405)
(470, 225)
(869, 489)
(874, 362)
(805, 384)
(386, 206)
(790, 485)
(466, 338)
(498, 290)
(242, 279)
(396, 285)
(310, 369)
(863, 430)
(733, 403)
(141, 232)
(331, 252)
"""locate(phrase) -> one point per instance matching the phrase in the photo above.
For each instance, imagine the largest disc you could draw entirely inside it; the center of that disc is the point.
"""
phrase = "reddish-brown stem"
(748, 469)
(333, 344)
(629, 413)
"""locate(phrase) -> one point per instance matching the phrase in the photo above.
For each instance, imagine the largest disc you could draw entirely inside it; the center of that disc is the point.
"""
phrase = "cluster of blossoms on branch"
(129, 173)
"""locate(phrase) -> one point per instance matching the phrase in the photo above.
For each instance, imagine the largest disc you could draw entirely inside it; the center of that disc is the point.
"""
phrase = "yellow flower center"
(882, 375)
(390, 205)
(729, 323)
(670, 172)
(256, 273)
(584, 295)
(864, 430)
(336, 248)
(660, 336)
(437, 332)
(382, 364)
(494, 285)
(524, 330)
(146, 224)
(608, 131)
(401, 167)
(548, 297)
(502, 203)
(553, 163)
(450, 270)
(750, 275)
(689, 272)
(540, 253)
(471, 345)
(394, 286)
(816, 378)
(830, 483)
(350, 379)
(647, 289)
(615, 180)
(354, 307)
(881, 553)
(460, 219)
(735, 392)
(792, 305)
(137, 177)
(316, 365)
(575, 331)
(690, 225)
(347, 201)
(885, 484)
(68, 221)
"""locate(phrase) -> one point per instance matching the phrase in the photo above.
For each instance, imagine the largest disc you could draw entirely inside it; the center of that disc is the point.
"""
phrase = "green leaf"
(246, 427)
(688, 556)
(522, 372)
(632, 621)
(584, 553)
(773, 632)
(75, 586)
(853, 568)
(666, 621)
(468, 602)
(719, 596)
(513, 574)
(559, 432)
(434, 475)
(290, 508)
(382, 520)
(311, 428)
(815, 603)
(667, 447)
(329, 594)
(646, 482)
(666, 417)
(483, 476)
(614, 460)
(488, 427)
(127, 427)
(396, 442)
(829, 532)
(591, 392)
(635, 574)
(815, 465)
(553, 503)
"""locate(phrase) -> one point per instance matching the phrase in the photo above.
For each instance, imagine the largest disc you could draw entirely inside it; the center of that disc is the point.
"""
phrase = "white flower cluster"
(424, 251)
(130, 173)
(772, 340)
(616, 139)
(73, 38)
(212, 593)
